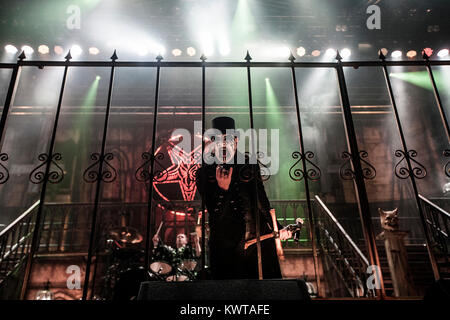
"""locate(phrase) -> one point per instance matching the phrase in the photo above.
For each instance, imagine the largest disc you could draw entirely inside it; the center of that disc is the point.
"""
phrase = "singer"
(229, 194)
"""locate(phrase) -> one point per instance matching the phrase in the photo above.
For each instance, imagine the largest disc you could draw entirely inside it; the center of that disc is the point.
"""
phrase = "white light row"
(411, 54)
(76, 50)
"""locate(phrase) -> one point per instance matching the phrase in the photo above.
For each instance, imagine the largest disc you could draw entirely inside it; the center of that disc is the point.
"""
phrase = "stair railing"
(341, 252)
(15, 242)
(438, 225)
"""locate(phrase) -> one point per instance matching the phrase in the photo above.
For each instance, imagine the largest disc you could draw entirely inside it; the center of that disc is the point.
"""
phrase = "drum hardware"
(169, 264)
(123, 257)
(125, 234)
(163, 259)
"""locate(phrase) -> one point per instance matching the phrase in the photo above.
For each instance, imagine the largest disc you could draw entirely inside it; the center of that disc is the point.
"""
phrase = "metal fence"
(101, 172)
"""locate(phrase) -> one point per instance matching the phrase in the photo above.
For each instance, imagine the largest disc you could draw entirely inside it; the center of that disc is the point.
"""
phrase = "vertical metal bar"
(4, 248)
(152, 164)
(39, 215)
(254, 174)
(203, 244)
(61, 233)
(434, 266)
(308, 196)
(98, 184)
(18, 232)
(72, 229)
(360, 187)
(49, 229)
(94, 274)
(438, 99)
(15, 76)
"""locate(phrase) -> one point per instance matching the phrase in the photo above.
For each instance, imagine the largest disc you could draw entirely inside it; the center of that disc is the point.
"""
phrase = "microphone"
(225, 167)
(299, 223)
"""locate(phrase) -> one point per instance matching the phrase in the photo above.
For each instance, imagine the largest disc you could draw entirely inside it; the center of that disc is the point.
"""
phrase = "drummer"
(181, 241)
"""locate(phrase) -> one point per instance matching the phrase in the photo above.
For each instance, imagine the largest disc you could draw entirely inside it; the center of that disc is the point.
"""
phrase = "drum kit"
(170, 264)
(124, 271)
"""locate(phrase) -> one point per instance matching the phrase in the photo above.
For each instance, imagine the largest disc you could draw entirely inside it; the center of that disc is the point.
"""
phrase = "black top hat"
(223, 123)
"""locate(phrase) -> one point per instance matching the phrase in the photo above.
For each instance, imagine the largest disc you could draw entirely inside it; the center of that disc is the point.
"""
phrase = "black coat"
(232, 222)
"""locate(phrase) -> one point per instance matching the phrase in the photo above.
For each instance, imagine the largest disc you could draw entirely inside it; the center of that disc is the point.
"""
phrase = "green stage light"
(417, 78)
(243, 26)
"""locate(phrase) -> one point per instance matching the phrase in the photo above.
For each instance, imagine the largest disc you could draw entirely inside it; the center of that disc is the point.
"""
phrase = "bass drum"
(128, 283)
(187, 257)
(177, 277)
(164, 260)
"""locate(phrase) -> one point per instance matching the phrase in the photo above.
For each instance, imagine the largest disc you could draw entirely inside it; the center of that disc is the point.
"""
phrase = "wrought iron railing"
(340, 251)
(101, 173)
(65, 226)
(65, 230)
(15, 242)
(438, 226)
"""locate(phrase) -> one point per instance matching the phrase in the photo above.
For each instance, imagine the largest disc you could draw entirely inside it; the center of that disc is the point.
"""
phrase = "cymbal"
(126, 235)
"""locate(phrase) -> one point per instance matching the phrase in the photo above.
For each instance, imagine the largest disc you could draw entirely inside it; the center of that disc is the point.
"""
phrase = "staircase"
(15, 242)
(345, 262)
(438, 227)
(418, 260)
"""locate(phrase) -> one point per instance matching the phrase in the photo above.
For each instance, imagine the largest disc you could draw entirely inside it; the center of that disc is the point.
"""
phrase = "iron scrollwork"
(417, 169)
(4, 173)
(108, 174)
(297, 174)
(37, 176)
(346, 172)
(264, 170)
(143, 172)
(368, 170)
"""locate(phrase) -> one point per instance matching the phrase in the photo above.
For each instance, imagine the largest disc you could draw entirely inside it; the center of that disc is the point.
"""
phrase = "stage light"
(330, 53)
(159, 50)
(411, 54)
(443, 53)
(9, 48)
(396, 54)
(315, 53)
(76, 50)
(43, 49)
(384, 51)
(58, 50)
(27, 49)
(98, 78)
(142, 51)
(208, 50)
(191, 51)
(45, 293)
(224, 49)
(428, 51)
(283, 52)
(301, 51)
(446, 188)
(177, 52)
(346, 53)
(94, 51)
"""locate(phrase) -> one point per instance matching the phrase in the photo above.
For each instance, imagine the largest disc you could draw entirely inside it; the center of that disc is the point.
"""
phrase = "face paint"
(225, 148)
